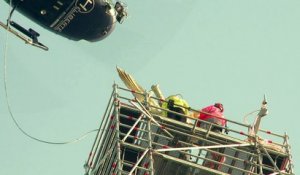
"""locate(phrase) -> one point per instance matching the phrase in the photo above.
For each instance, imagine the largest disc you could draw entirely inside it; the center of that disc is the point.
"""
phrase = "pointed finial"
(265, 100)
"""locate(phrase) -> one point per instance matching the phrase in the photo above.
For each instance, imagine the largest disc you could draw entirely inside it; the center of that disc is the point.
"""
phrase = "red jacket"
(214, 111)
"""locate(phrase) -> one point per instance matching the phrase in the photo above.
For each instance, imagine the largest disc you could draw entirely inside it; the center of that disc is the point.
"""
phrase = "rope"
(9, 106)
(245, 117)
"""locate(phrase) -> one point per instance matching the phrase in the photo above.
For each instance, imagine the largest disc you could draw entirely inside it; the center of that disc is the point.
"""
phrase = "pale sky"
(230, 51)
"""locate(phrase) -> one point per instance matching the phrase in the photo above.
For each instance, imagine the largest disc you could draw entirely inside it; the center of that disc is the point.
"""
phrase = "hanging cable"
(245, 117)
(8, 104)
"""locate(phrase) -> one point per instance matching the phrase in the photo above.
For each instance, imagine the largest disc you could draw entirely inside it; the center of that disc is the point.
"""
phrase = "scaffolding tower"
(135, 139)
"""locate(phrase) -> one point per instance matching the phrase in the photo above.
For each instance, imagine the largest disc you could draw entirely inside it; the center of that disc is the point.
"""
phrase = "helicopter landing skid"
(26, 39)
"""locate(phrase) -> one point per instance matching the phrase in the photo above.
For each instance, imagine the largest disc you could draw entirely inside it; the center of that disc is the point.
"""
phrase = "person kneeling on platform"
(176, 104)
(213, 114)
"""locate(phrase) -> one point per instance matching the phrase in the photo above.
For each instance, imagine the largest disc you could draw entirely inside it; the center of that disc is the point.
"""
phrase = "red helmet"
(220, 106)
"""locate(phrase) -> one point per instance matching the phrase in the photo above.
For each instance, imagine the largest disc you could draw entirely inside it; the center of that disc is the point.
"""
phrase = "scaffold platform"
(135, 139)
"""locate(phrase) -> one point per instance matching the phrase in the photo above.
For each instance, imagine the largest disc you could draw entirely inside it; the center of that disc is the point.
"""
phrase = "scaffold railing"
(135, 139)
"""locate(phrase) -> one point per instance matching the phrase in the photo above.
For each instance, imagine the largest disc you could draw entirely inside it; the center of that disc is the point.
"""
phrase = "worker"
(176, 104)
(213, 114)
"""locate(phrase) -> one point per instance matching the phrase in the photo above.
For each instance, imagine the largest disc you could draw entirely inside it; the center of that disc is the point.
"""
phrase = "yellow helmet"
(174, 101)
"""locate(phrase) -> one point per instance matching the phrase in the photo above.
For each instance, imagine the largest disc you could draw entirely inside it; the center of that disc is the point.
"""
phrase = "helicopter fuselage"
(90, 20)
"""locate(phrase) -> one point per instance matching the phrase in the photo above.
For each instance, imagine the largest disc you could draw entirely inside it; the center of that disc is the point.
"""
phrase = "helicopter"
(91, 20)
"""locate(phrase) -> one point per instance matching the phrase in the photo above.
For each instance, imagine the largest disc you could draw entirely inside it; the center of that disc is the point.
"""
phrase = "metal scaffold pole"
(288, 149)
(151, 168)
(116, 111)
